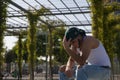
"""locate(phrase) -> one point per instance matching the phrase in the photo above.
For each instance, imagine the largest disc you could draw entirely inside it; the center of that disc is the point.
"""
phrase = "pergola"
(73, 13)
(70, 12)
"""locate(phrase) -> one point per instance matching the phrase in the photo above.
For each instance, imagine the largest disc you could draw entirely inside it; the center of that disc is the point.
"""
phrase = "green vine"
(104, 21)
(3, 13)
(97, 18)
(20, 48)
(110, 21)
(33, 18)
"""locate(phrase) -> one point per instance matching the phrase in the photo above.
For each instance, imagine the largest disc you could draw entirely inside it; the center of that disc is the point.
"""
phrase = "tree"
(33, 18)
(3, 13)
(110, 21)
(59, 51)
(104, 22)
(10, 56)
(31, 43)
(117, 43)
(20, 49)
(25, 51)
(97, 18)
(41, 43)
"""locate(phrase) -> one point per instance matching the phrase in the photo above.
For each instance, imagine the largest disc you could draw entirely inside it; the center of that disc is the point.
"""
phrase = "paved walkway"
(37, 77)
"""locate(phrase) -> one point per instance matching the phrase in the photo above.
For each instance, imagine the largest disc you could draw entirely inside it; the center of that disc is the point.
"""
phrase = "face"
(76, 42)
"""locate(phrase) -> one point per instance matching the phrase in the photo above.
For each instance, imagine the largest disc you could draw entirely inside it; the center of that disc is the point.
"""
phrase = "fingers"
(64, 39)
(66, 43)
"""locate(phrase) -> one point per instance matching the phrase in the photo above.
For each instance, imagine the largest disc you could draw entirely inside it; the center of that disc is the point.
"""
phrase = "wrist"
(68, 68)
(67, 48)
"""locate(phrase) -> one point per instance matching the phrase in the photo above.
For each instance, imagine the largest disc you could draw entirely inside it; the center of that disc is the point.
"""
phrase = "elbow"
(81, 62)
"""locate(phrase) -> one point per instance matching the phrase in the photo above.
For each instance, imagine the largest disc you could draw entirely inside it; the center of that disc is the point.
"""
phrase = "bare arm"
(70, 63)
(81, 60)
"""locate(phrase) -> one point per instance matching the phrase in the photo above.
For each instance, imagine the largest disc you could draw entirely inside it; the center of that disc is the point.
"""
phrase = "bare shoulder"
(91, 41)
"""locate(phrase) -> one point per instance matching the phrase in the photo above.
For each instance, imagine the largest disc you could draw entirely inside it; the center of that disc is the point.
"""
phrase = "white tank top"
(99, 56)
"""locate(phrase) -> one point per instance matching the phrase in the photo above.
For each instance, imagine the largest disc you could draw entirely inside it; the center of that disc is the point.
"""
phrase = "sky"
(9, 42)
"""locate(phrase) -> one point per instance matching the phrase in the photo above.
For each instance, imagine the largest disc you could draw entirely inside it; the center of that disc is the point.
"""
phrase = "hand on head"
(66, 44)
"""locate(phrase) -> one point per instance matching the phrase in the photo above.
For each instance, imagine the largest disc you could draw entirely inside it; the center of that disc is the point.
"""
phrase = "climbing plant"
(110, 20)
(104, 21)
(3, 13)
(20, 55)
(33, 18)
(97, 18)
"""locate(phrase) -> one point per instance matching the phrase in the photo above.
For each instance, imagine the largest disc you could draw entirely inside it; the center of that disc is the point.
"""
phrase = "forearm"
(72, 52)
(70, 63)
(75, 56)
(69, 67)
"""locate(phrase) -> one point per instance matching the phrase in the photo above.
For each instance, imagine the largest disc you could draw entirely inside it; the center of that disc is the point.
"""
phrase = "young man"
(88, 53)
